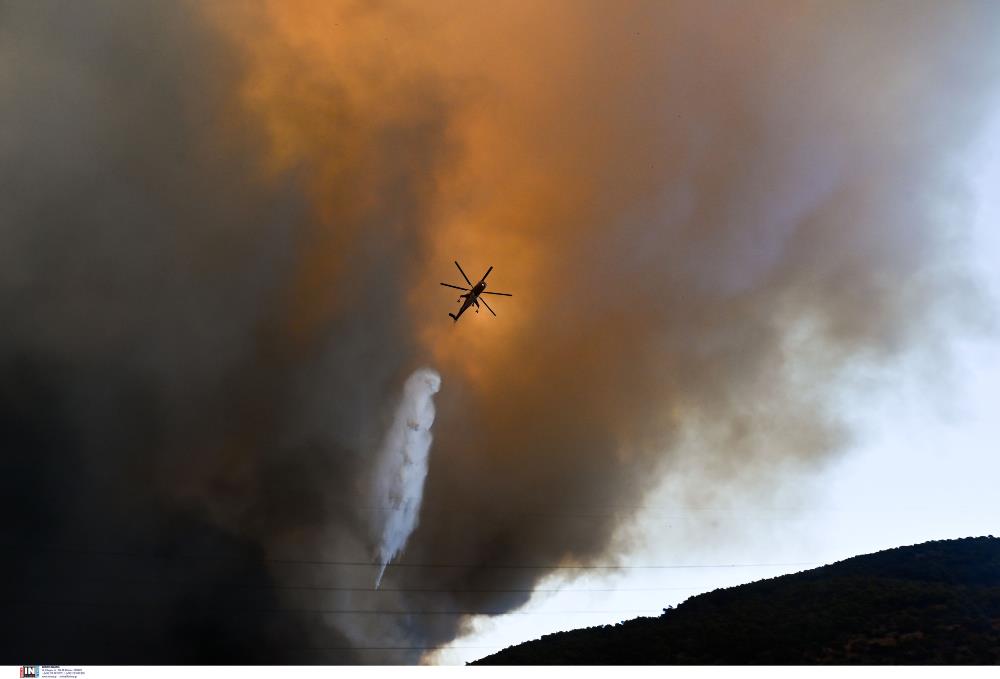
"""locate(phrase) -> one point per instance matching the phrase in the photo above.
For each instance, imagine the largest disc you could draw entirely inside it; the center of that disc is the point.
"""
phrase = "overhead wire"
(370, 564)
(325, 611)
(371, 590)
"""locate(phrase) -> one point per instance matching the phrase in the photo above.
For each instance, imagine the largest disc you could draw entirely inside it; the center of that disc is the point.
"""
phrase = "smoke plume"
(401, 467)
(222, 230)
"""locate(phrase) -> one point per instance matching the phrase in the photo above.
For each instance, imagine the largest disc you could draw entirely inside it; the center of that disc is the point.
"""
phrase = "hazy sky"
(750, 299)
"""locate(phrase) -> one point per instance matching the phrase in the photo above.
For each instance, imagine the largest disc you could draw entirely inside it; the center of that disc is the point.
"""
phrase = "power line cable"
(372, 564)
(338, 611)
(372, 590)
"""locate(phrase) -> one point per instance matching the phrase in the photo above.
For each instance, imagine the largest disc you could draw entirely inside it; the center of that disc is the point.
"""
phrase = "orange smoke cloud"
(703, 212)
(547, 126)
(331, 84)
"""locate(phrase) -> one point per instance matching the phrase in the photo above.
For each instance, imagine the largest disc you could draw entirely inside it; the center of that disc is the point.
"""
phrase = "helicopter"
(473, 293)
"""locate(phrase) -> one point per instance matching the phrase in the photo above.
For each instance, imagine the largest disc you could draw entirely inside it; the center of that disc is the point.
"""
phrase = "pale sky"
(924, 466)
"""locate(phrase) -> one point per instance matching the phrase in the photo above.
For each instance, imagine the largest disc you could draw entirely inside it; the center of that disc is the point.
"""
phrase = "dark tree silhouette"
(937, 602)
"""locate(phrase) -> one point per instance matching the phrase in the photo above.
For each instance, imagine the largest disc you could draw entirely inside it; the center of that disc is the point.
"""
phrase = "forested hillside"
(937, 602)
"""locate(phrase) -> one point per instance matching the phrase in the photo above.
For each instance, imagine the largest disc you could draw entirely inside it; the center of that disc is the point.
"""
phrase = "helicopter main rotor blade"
(463, 273)
(488, 306)
(505, 294)
(486, 274)
(449, 285)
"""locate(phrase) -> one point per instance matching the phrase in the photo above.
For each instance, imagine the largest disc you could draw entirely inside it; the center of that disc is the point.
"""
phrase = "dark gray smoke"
(221, 233)
(161, 429)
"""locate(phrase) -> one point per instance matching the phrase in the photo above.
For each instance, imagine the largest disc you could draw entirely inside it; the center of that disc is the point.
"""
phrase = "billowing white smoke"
(401, 467)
